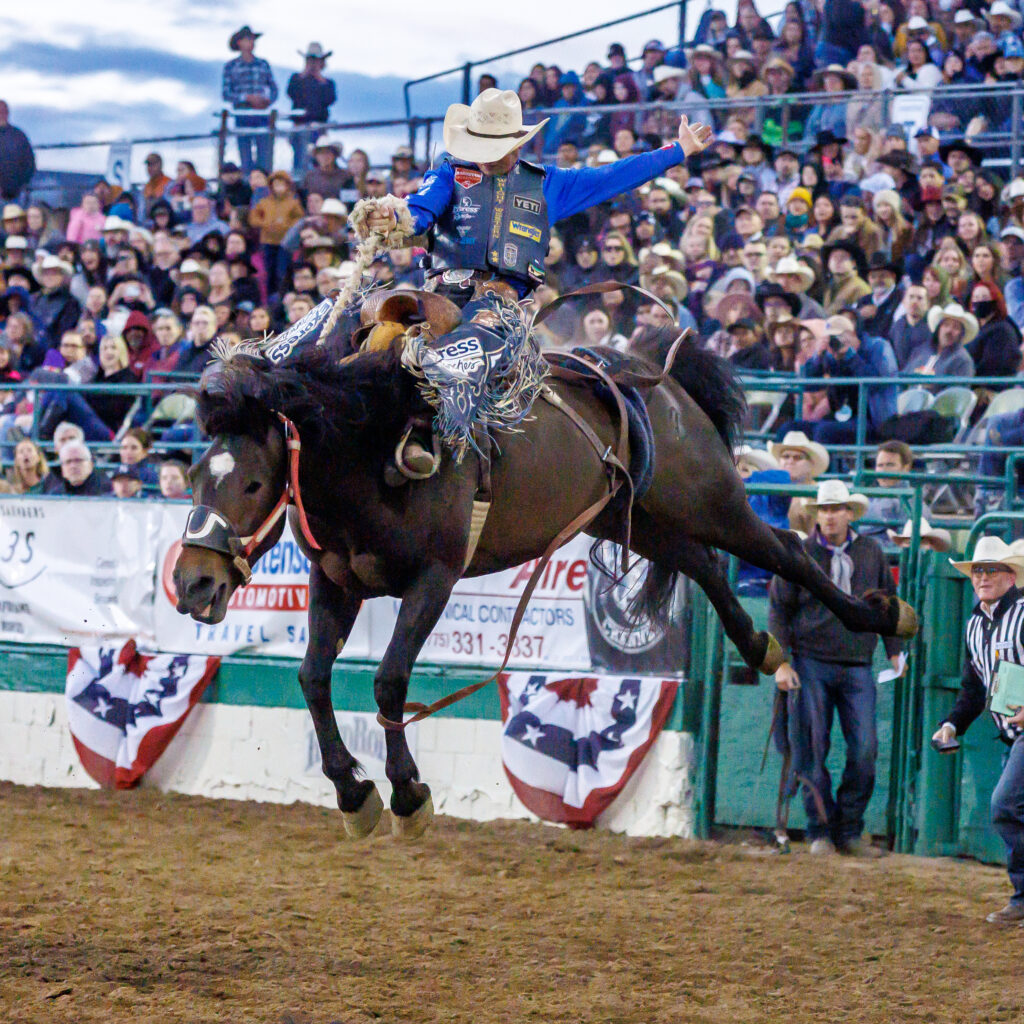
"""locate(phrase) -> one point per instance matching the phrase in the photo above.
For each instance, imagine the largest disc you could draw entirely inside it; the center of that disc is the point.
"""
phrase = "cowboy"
(994, 633)
(878, 309)
(945, 354)
(311, 94)
(490, 213)
(828, 670)
(804, 460)
(248, 85)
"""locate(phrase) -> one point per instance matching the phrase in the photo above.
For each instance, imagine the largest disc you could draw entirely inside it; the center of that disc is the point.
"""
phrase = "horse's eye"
(253, 487)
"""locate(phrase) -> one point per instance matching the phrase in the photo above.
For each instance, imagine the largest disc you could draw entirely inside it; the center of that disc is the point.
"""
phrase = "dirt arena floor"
(144, 907)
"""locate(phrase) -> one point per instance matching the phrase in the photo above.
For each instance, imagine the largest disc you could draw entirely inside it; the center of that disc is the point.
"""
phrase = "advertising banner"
(75, 572)
(72, 573)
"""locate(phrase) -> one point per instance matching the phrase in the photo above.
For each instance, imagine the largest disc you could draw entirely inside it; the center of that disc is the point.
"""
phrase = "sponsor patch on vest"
(510, 254)
(529, 205)
(517, 227)
(465, 208)
(467, 177)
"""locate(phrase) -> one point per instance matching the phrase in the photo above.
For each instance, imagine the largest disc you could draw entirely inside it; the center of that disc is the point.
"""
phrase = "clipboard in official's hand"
(1007, 694)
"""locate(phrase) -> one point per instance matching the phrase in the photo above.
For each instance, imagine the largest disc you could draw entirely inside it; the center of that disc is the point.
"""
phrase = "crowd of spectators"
(811, 238)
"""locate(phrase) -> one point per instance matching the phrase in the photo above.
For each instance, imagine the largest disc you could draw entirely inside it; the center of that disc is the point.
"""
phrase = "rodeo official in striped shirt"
(995, 631)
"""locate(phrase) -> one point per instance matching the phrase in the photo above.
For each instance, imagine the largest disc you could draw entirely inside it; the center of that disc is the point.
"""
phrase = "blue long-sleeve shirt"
(566, 190)
(874, 358)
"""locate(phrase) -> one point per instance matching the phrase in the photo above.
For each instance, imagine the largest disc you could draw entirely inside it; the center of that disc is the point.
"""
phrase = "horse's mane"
(329, 401)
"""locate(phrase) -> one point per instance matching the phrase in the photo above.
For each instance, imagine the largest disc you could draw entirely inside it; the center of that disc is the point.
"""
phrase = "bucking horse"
(312, 436)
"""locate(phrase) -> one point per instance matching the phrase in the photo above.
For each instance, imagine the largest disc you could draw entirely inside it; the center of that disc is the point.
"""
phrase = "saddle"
(385, 316)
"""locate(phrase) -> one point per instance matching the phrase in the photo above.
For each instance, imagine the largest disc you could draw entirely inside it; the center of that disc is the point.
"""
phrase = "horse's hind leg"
(782, 553)
(332, 610)
(698, 561)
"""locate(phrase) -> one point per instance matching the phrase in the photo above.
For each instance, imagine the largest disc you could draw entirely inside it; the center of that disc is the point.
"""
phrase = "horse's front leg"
(422, 604)
(332, 610)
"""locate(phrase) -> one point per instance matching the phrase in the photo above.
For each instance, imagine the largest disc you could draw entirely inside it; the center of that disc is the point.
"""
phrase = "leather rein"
(615, 465)
(210, 529)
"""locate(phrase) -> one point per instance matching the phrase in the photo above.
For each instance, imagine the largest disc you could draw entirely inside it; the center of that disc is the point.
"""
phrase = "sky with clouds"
(113, 69)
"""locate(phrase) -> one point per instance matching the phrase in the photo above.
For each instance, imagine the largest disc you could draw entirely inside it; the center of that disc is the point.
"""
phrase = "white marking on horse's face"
(221, 465)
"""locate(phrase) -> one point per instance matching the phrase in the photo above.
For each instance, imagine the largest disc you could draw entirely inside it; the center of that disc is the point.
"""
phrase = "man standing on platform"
(312, 94)
(828, 670)
(995, 631)
(249, 85)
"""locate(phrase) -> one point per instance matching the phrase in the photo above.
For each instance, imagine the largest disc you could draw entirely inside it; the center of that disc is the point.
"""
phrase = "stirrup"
(413, 474)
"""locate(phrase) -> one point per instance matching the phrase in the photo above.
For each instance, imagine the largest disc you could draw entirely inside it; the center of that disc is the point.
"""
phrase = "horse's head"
(239, 503)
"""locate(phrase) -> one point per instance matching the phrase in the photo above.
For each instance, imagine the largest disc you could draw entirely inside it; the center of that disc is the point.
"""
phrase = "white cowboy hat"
(315, 50)
(963, 17)
(993, 551)
(115, 223)
(488, 129)
(917, 24)
(51, 263)
(791, 265)
(663, 72)
(193, 267)
(664, 251)
(797, 439)
(757, 457)
(15, 242)
(954, 311)
(704, 50)
(333, 208)
(1000, 7)
(835, 492)
(326, 142)
(933, 537)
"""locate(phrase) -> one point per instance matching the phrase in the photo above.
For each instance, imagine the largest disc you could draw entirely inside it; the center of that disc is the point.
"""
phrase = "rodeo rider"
(995, 630)
(489, 213)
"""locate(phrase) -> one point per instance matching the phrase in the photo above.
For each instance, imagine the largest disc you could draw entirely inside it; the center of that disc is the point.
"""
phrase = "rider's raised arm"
(569, 191)
(433, 197)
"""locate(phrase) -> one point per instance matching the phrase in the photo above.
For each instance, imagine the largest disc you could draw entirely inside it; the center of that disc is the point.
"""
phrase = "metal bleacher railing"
(1000, 136)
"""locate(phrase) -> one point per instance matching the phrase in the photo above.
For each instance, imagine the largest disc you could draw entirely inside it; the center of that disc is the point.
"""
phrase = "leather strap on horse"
(420, 711)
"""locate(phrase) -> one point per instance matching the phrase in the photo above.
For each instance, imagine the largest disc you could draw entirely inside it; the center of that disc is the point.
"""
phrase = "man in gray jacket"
(828, 670)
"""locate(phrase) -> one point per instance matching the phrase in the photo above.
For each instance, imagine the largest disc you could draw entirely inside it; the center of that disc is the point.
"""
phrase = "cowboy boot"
(413, 460)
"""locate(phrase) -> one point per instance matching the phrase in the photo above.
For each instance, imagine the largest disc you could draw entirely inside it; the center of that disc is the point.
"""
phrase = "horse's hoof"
(359, 824)
(414, 825)
(773, 657)
(906, 624)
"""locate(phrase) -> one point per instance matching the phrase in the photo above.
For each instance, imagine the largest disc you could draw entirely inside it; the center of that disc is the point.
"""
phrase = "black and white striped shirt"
(991, 637)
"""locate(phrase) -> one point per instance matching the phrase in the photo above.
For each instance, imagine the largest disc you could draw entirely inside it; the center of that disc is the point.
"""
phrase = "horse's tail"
(653, 601)
(708, 379)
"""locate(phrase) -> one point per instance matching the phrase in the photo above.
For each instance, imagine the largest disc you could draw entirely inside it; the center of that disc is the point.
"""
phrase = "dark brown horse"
(411, 542)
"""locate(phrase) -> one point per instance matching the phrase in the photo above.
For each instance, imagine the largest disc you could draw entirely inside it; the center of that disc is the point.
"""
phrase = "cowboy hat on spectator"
(192, 267)
(243, 33)
(848, 79)
(12, 211)
(972, 153)
(797, 440)
(835, 492)
(115, 223)
(663, 72)
(954, 311)
(931, 537)
(317, 51)
(993, 551)
(51, 263)
(1001, 9)
(326, 142)
(791, 265)
(847, 245)
(771, 290)
(704, 50)
(15, 242)
(778, 64)
(757, 457)
(333, 208)
(665, 251)
(489, 129)
(738, 302)
(680, 289)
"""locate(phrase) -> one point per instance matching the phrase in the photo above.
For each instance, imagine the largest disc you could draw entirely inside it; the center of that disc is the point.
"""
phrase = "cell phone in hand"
(946, 746)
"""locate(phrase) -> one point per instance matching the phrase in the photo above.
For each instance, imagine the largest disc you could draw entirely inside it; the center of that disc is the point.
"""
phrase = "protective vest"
(497, 223)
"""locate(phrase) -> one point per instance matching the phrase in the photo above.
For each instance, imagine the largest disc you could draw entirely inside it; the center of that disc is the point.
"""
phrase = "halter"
(210, 529)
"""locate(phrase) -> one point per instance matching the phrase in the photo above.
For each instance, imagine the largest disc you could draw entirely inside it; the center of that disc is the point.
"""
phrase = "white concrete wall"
(269, 754)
